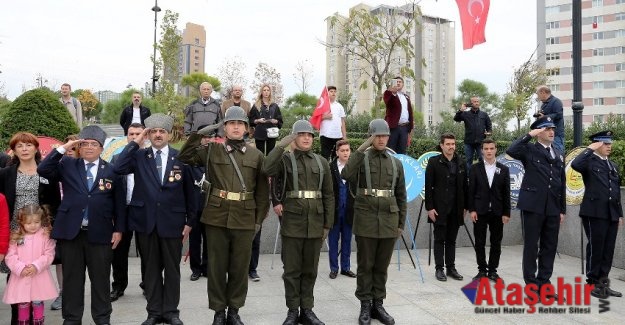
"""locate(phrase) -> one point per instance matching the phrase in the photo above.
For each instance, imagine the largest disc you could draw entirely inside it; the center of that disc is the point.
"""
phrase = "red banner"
(323, 106)
(473, 14)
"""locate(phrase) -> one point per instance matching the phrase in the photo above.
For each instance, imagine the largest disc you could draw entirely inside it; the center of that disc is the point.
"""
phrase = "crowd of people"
(80, 212)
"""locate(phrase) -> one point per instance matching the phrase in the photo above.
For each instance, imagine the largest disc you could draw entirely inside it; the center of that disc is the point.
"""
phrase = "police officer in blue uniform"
(601, 210)
(541, 199)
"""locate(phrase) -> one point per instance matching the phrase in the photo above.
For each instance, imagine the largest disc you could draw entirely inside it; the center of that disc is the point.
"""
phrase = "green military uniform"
(230, 215)
(379, 211)
(303, 220)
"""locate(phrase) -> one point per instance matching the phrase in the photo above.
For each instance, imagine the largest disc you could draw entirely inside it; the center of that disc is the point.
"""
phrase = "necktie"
(159, 165)
(550, 152)
(90, 180)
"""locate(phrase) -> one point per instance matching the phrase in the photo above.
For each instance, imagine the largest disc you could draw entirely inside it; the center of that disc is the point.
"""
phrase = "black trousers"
(495, 224)
(445, 242)
(78, 255)
(265, 146)
(255, 252)
(544, 229)
(374, 256)
(162, 273)
(198, 252)
(601, 235)
(120, 263)
(398, 141)
(327, 147)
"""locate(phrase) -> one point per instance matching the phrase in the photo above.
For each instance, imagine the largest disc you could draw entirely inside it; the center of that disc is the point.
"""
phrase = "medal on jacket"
(101, 185)
(171, 176)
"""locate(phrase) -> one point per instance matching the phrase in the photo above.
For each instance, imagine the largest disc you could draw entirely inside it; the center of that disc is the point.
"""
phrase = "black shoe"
(613, 293)
(349, 273)
(480, 275)
(440, 275)
(378, 312)
(452, 273)
(152, 320)
(365, 313)
(233, 317)
(115, 294)
(220, 318)
(292, 317)
(175, 320)
(308, 317)
(599, 292)
(333, 274)
(195, 276)
(493, 276)
(254, 276)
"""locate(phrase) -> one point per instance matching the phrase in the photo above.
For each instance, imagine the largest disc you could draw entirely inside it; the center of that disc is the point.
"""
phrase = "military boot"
(378, 312)
(365, 312)
(292, 317)
(220, 318)
(233, 317)
(308, 317)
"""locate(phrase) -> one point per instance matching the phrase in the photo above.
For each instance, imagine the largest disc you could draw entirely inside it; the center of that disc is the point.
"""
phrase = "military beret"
(93, 132)
(159, 121)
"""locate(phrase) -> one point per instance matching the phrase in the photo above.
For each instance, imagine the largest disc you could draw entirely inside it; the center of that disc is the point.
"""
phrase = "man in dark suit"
(120, 255)
(161, 212)
(489, 205)
(541, 199)
(601, 210)
(88, 224)
(398, 115)
(445, 201)
(134, 113)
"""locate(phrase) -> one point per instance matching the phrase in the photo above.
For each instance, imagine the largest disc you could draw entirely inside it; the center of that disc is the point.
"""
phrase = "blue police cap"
(603, 136)
(543, 122)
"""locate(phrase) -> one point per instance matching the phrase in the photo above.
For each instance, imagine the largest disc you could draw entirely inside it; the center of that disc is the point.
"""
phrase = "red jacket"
(393, 109)
(4, 225)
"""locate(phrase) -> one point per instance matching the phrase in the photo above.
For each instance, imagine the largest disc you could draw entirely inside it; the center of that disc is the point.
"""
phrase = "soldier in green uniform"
(237, 193)
(307, 216)
(379, 216)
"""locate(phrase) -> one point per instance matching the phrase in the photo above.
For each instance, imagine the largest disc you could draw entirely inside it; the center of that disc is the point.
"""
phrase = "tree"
(39, 112)
(194, 80)
(231, 73)
(347, 100)
(302, 100)
(303, 74)
(268, 75)
(88, 102)
(521, 89)
(380, 40)
(469, 88)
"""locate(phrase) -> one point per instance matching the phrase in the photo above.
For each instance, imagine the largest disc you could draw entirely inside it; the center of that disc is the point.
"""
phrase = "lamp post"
(156, 9)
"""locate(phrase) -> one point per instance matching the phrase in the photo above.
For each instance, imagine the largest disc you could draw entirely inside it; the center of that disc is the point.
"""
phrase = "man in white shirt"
(72, 104)
(332, 126)
(134, 113)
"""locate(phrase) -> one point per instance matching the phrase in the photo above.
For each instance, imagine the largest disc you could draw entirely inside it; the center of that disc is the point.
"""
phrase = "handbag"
(273, 132)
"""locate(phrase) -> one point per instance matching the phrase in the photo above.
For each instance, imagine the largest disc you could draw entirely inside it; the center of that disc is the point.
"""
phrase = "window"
(552, 25)
(597, 19)
(553, 56)
(597, 101)
(553, 72)
(597, 52)
(620, 84)
(619, 16)
(620, 67)
(597, 68)
(598, 35)
(597, 85)
(552, 40)
(618, 2)
(619, 33)
(197, 51)
(620, 100)
(555, 87)
(552, 10)
(197, 41)
(597, 3)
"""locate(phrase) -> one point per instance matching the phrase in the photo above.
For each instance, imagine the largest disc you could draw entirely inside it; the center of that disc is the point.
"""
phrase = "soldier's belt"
(232, 196)
(303, 194)
(376, 192)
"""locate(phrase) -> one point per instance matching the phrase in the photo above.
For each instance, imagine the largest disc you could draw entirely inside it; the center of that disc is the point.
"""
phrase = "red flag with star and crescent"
(323, 106)
(473, 14)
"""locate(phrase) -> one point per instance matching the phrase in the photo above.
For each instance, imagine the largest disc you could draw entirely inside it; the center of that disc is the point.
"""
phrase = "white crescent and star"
(470, 5)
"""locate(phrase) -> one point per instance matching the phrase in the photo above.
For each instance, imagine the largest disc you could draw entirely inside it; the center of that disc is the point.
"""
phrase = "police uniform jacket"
(303, 218)
(543, 187)
(437, 195)
(219, 211)
(602, 197)
(106, 200)
(164, 206)
(377, 217)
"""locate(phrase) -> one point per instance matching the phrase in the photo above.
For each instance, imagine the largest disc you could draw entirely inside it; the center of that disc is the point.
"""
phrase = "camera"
(469, 105)
(537, 114)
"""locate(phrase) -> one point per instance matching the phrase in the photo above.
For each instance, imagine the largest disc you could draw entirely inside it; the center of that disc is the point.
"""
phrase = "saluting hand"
(143, 135)
(208, 130)
(286, 141)
(72, 144)
(595, 145)
(536, 132)
(366, 144)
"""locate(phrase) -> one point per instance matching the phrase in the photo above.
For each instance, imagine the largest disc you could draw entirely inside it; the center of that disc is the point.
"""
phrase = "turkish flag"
(323, 106)
(473, 14)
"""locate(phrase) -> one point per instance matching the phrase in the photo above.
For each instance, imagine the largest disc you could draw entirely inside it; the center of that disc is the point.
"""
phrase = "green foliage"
(347, 100)
(5, 104)
(301, 100)
(39, 112)
(194, 80)
(113, 108)
(469, 88)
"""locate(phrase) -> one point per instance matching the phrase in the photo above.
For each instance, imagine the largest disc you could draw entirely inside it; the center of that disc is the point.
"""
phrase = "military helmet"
(235, 113)
(302, 126)
(379, 127)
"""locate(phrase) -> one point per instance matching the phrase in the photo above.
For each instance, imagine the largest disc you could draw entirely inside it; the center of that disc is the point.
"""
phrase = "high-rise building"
(192, 51)
(433, 43)
(104, 96)
(603, 55)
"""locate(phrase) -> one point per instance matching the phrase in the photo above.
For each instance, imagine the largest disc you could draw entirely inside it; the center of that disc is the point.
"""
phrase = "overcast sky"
(106, 45)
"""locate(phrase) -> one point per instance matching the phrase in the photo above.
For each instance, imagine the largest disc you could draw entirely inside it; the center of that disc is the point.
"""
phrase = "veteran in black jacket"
(489, 205)
(601, 210)
(541, 199)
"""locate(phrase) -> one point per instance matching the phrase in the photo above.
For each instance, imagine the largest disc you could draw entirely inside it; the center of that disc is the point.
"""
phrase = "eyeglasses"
(89, 144)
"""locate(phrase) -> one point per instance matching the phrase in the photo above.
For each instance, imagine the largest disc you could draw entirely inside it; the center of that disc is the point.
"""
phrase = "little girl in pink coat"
(31, 252)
